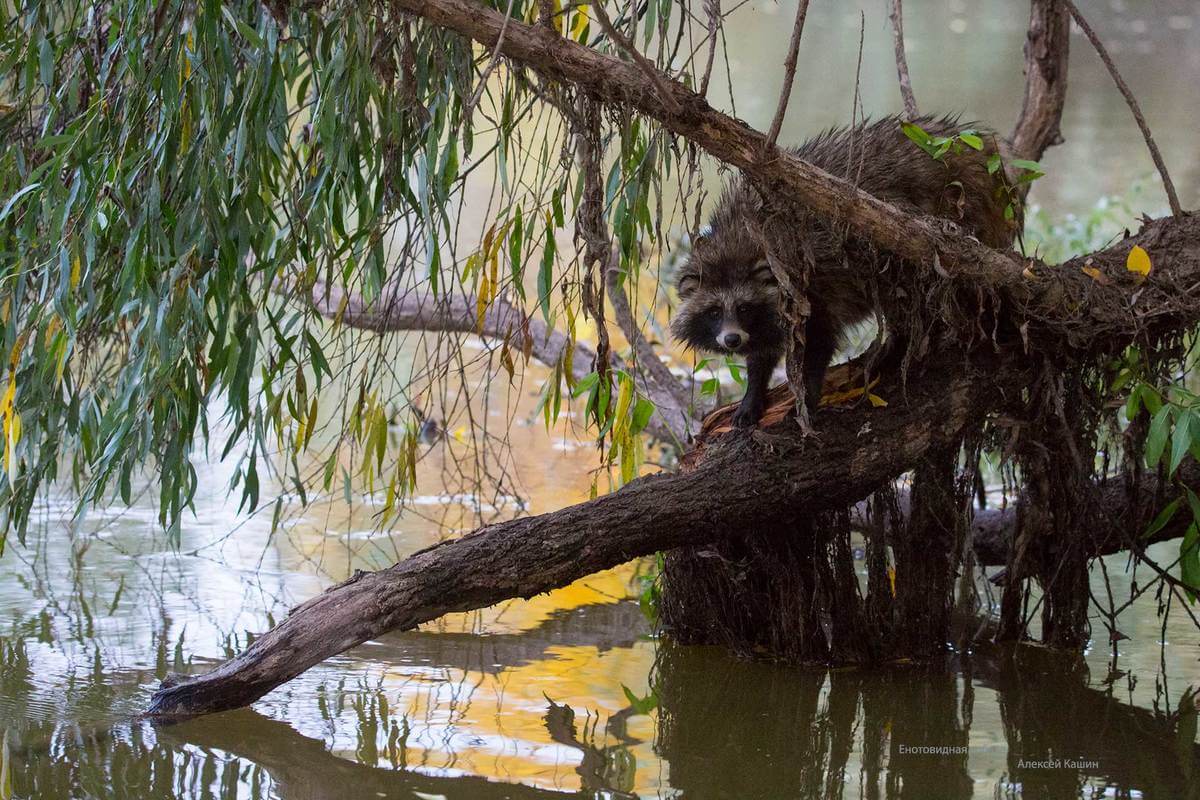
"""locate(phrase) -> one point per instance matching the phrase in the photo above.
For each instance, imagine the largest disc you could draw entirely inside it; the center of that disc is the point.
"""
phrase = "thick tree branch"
(1047, 46)
(1048, 297)
(688, 114)
(418, 309)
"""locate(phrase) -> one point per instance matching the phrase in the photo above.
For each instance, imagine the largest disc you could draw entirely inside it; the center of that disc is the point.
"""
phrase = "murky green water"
(533, 698)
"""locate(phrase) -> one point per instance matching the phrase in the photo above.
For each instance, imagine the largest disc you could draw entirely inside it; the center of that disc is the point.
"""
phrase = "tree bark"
(1047, 47)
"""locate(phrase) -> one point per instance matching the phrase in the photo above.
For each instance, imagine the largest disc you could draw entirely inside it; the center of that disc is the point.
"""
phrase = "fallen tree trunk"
(762, 479)
(765, 477)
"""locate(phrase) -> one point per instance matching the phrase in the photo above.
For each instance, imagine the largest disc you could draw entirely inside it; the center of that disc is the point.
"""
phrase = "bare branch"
(1047, 45)
(419, 309)
(713, 9)
(469, 106)
(789, 73)
(1168, 185)
(896, 14)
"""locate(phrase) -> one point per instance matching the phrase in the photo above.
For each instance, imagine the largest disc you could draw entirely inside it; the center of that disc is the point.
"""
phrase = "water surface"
(543, 698)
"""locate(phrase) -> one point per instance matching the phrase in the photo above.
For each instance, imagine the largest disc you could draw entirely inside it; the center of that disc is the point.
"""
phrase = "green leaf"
(994, 163)
(1189, 561)
(971, 140)
(1181, 439)
(641, 705)
(12, 201)
(1029, 166)
(642, 411)
(585, 384)
(915, 132)
(1156, 438)
(545, 279)
(1164, 516)
(1151, 398)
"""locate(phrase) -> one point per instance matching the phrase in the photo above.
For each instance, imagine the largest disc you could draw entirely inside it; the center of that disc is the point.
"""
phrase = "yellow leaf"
(75, 272)
(6, 404)
(877, 401)
(581, 21)
(461, 434)
(838, 398)
(1138, 261)
(11, 438)
(624, 399)
(891, 573)
(481, 301)
(559, 17)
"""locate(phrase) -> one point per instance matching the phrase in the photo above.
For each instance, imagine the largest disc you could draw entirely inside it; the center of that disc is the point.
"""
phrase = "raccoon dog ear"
(762, 273)
(687, 284)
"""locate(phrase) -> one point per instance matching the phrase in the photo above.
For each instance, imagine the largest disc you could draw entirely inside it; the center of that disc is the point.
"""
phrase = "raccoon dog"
(729, 300)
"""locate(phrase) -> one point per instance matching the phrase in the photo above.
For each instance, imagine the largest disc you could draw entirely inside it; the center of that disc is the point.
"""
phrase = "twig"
(643, 63)
(789, 73)
(495, 59)
(856, 104)
(896, 14)
(591, 227)
(1172, 197)
(713, 7)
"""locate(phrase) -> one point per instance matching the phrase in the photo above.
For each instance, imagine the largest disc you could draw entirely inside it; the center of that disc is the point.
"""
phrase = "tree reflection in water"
(725, 728)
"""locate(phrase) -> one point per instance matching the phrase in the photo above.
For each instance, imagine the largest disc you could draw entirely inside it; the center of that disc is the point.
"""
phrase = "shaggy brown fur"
(729, 301)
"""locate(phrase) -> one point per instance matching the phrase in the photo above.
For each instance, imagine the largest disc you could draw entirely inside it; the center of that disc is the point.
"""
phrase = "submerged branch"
(993, 530)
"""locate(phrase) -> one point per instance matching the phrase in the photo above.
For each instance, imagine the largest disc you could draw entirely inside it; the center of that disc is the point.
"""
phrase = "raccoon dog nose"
(733, 340)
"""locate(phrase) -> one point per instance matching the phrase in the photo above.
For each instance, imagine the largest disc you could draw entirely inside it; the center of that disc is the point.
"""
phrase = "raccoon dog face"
(730, 303)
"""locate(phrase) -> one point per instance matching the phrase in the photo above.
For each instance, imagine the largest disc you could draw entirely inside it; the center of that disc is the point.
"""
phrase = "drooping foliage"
(180, 179)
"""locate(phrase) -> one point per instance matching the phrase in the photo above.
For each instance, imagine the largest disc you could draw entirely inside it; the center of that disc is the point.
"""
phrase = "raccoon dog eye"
(713, 313)
(743, 309)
